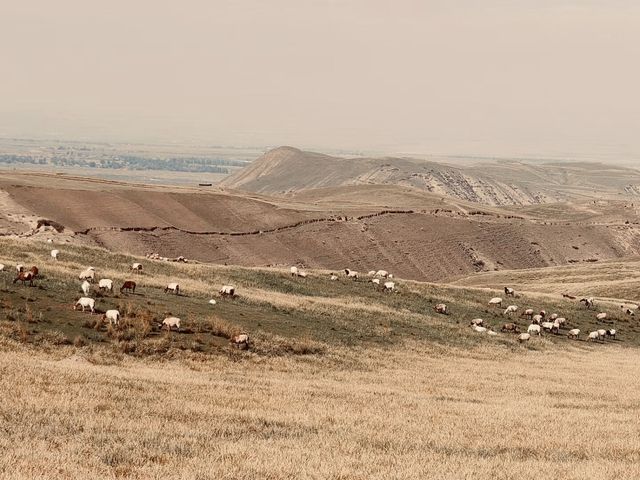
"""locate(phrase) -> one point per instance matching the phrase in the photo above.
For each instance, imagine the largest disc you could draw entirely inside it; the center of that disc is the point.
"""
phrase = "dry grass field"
(341, 381)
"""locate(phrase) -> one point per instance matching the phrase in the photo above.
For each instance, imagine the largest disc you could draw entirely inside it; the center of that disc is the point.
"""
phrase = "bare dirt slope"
(286, 169)
(430, 238)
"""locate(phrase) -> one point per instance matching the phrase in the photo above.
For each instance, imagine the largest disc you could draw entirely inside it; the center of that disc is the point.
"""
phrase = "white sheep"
(54, 254)
(371, 273)
(630, 312)
(510, 309)
(477, 321)
(88, 274)
(574, 333)
(302, 274)
(333, 278)
(85, 302)
(479, 328)
(351, 274)
(389, 286)
(509, 292)
(524, 337)
(375, 281)
(611, 333)
(593, 336)
(294, 271)
(1, 267)
(228, 290)
(19, 268)
(86, 287)
(171, 322)
(441, 308)
(212, 302)
(382, 273)
(534, 329)
(491, 332)
(173, 287)
(602, 333)
(601, 316)
(527, 313)
(553, 317)
(588, 302)
(560, 321)
(113, 316)
(105, 284)
(495, 302)
(549, 326)
(536, 319)
(136, 267)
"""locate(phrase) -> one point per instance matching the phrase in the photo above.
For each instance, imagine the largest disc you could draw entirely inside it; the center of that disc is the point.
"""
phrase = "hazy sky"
(522, 77)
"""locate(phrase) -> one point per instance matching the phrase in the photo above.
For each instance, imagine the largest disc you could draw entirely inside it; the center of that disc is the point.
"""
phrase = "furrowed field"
(341, 381)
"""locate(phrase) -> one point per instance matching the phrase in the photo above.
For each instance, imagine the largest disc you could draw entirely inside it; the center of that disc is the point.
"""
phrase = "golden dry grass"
(406, 413)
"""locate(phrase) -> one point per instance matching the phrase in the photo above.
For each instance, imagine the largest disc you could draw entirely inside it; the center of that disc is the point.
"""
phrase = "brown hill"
(285, 170)
(405, 230)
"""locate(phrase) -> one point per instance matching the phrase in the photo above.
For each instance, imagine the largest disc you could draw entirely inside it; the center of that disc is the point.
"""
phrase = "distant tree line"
(132, 162)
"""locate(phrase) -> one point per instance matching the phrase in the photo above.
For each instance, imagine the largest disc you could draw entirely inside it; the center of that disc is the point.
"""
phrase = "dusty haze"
(525, 78)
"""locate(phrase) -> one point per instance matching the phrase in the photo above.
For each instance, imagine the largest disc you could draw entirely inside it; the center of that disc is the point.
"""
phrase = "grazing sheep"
(441, 308)
(351, 274)
(105, 284)
(375, 281)
(333, 278)
(495, 302)
(136, 267)
(86, 287)
(524, 337)
(19, 268)
(534, 329)
(212, 302)
(382, 273)
(560, 321)
(509, 292)
(113, 316)
(174, 287)
(479, 328)
(85, 302)
(602, 333)
(553, 317)
(390, 287)
(302, 274)
(128, 285)
(477, 321)
(630, 312)
(34, 271)
(88, 274)
(390, 276)
(491, 332)
(510, 309)
(527, 313)
(54, 254)
(294, 271)
(574, 333)
(543, 313)
(171, 322)
(24, 277)
(228, 291)
(240, 341)
(611, 333)
(510, 327)
(537, 319)
(550, 326)
(601, 316)
(593, 336)
(588, 302)
(371, 273)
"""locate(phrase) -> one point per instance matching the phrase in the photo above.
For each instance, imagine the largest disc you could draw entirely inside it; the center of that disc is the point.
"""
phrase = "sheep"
(375, 281)
(113, 316)
(588, 302)
(629, 306)
(49, 240)
(88, 274)
(351, 274)
(136, 267)
(593, 336)
(240, 341)
(524, 337)
(602, 333)
(293, 271)
(24, 277)
(601, 316)
(553, 317)
(105, 284)
(534, 329)
(34, 271)
(228, 290)
(1, 267)
(371, 273)
(333, 278)
(630, 312)
(391, 286)
(491, 332)
(19, 268)
(537, 319)
(560, 321)
(128, 285)
(54, 254)
(171, 322)
(527, 313)
(439, 308)
(86, 287)
(574, 333)
(174, 287)
(509, 292)
(85, 302)
(550, 326)
(477, 321)
(510, 309)
(495, 302)
(212, 302)
(390, 276)
(479, 328)
(611, 333)
(510, 327)
(302, 274)
(382, 273)
(543, 313)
